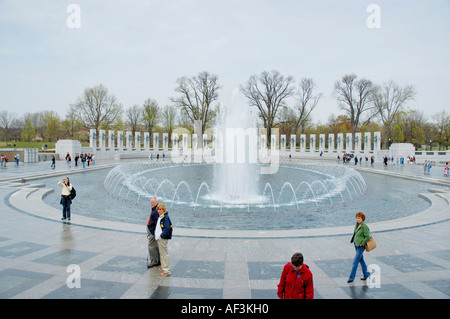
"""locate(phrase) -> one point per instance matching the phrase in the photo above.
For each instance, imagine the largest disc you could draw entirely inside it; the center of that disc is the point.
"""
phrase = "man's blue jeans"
(359, 259)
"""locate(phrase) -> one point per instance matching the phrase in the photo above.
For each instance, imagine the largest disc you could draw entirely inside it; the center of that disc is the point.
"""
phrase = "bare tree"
(197, 95)
(151, 114)
(389, 100)
(7, 120)
(169, 116)
(97, 108)
(134, 117)
(71, 125)
(307, 102)
(441, 121)
(355, 98)
(268, 93)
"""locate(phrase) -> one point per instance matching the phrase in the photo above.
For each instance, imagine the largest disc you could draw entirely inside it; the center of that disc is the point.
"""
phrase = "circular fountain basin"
(296, 197)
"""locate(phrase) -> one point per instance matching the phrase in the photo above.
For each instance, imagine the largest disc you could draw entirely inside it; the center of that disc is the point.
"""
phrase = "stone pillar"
(194, 141)
(93, 139)
(205, 141)
(175, 141)
(367, 143)
(137, 141)
(262, 142)
(128, 140)
(185, 141)
(376, 141)
(111, 140)
(283, 142)
(293, 142)
(322, 143)
(358, 142)
(312, 143)
(330, 143)
(102, 139)
(120, 139)
(340, 142)
(348, 142)
(156, 141)
(166, 141)
(273, 142)
(302, 142)
(147, 141)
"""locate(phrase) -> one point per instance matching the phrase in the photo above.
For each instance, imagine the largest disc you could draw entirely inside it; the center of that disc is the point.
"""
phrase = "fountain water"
(233, 183)
(296, 187)
(236, 176)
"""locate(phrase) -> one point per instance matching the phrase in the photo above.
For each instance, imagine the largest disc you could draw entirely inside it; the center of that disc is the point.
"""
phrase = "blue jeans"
(66, 201)
(359, 259)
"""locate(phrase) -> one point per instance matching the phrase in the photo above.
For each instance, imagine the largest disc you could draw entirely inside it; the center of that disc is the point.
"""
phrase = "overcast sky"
(138, 49)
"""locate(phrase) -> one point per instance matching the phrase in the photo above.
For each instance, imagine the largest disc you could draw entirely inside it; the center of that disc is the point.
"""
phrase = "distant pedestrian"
(296, 280)
(428, 167)
(53, 162)
(446, 168)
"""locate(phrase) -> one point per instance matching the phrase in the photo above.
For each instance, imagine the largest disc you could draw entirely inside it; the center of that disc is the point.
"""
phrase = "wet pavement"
(42, 257)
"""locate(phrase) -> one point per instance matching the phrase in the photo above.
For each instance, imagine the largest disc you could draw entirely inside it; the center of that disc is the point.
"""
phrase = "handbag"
(371, 244)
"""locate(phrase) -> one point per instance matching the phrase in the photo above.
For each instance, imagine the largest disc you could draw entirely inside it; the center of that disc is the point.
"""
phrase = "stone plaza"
(42, 257)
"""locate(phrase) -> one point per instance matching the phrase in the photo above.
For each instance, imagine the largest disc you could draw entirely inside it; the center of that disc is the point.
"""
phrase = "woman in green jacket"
(361, 236)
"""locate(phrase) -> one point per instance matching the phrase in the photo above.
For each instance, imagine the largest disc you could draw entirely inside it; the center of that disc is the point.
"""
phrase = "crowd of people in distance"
(348, 158)
(4, 160)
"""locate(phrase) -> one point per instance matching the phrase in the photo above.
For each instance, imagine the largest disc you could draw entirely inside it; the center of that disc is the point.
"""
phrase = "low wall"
(26, 155)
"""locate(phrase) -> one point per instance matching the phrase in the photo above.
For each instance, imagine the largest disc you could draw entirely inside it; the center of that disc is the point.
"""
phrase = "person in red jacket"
(296, 280)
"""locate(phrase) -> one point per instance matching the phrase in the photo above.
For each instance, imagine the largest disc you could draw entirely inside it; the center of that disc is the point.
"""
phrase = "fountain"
(233, 184)
(234, 181)
(295, 187)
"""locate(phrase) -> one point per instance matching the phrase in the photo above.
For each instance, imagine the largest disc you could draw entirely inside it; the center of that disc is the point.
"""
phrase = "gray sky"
(138, 49)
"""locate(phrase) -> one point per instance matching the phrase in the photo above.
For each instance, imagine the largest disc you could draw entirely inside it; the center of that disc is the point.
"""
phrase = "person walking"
(163, 232)
(53, 162)
(66, 199)
(296, 280)
(152, 245)
(361, 235)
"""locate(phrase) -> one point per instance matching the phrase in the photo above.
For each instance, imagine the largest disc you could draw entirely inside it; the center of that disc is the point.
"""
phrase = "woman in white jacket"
(66, 199)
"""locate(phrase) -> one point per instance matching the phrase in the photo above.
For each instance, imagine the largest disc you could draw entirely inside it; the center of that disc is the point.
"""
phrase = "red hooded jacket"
(296, 284)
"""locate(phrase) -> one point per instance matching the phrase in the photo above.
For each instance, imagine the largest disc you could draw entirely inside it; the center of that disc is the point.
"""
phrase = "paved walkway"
(41, 256)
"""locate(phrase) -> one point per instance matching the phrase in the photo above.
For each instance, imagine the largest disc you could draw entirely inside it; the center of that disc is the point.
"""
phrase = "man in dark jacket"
(296, 280)
(153, 251)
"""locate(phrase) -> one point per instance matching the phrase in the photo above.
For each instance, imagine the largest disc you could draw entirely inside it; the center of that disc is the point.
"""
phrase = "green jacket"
(362, 234)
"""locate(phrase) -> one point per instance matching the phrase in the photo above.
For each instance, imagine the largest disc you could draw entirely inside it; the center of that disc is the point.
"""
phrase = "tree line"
(279, 101)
